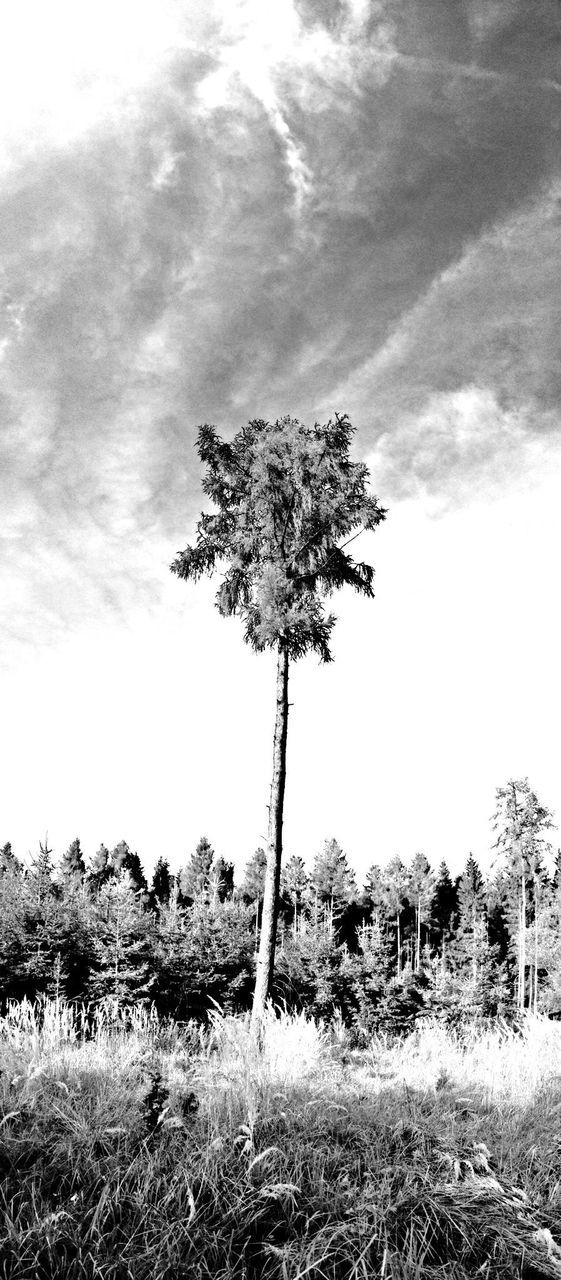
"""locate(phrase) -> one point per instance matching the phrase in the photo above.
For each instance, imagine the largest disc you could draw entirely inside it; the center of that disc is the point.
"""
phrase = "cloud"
(466, 388)
(339, 207)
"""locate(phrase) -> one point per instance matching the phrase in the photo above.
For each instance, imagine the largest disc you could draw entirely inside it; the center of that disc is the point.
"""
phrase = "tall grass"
(132, 1149)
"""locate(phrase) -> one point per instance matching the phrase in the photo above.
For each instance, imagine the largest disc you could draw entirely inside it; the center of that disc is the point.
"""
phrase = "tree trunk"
(523, 944)
(474, 946)
(398, 947)
(266, 955)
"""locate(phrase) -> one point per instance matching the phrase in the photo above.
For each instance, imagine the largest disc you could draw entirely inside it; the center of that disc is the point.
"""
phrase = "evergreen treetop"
(286, 494)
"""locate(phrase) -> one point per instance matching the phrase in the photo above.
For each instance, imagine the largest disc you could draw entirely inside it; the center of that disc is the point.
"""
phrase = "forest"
(410, 941)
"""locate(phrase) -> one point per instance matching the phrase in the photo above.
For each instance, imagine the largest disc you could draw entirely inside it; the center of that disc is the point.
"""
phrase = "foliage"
(287, 497)
(194, 880)
(288, 500)
(101, 934)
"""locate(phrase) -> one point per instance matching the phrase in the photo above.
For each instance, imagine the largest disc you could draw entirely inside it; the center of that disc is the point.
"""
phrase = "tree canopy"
(288, 497)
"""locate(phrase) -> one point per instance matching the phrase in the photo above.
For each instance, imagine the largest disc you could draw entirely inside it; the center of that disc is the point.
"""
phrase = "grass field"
(149, 1151)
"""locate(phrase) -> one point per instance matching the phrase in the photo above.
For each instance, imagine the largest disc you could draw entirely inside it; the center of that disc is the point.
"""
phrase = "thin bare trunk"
(266, 954)
(535, 944)
(523, 943)
(474, 946)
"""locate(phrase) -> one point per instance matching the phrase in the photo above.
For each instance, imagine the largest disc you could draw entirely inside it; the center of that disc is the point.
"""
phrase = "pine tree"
(221, 880)
(520, 823)
(100, 869)
(40, 875)
(371, 973)
(13, 934)
(396, 879)
(75, 941)
(333, 882)
(122, 943)
(72, 862)
(374, 895)
(123, 859)
(217, 956)
(295, 883)
(42, 922)
(160, 889)
(8, 860)
(421, 887)
(252, 887)
(288, 501)
(472, 916)
(194, 880)
(444, 909)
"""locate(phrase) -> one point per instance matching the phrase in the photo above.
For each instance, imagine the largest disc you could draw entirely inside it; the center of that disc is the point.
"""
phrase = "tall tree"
(472, 932)
(295, 881)
(421, 885)
(333, 880)
(289, 500)
(252, 887)
(396, 878)
(444, 909)
(520, 822)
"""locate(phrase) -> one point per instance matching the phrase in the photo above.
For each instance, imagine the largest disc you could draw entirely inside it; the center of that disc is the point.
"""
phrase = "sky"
(211, 212)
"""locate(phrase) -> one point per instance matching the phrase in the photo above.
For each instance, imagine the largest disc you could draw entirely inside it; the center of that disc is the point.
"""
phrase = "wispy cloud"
(466, 388)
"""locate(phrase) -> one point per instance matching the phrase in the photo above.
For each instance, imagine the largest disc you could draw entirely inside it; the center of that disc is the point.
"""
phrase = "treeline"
(410, 940)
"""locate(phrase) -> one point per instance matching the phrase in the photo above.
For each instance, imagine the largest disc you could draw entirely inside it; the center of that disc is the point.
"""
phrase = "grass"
(130, 1149)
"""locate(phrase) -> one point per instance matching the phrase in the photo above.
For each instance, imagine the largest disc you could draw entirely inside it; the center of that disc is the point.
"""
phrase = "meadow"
(135, 1148)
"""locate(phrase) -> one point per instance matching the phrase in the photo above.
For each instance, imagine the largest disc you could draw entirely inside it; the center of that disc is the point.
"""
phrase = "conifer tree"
(161, 886)
(13, 934)
(421, 885)
(444, 909)
(288, 501)
(194, 880)
(374, 894)
(295, 882)
(520, 823)
(40, 876)
(122, 947)
(100, 869)
(42, 921)
(123, 859)
(252, 888)
(72, 862)
(396, 878)
(8, 860)
(333, 881)
(471, 906)
(75, 939)
(221, 880)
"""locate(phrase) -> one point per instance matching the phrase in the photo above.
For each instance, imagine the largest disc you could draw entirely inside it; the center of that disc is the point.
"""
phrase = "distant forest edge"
(411, 941)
